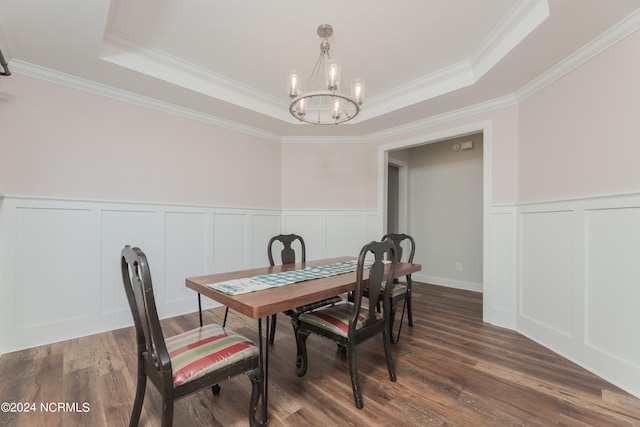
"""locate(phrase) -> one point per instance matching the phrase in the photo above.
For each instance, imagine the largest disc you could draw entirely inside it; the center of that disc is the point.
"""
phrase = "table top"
(266, 302)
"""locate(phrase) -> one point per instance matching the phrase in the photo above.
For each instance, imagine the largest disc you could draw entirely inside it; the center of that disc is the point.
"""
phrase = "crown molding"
(607, 39)
(74, 82)
(437, 83)
(618, 32)
(613, 35)
(521, 20)
(324, 139)
(461, 113)
(163, 66)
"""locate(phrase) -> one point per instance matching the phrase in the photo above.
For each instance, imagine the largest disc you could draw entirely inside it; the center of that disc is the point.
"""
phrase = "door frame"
(403, 195)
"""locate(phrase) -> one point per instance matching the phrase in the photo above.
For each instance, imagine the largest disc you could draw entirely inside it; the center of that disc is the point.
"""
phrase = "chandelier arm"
(315, 75)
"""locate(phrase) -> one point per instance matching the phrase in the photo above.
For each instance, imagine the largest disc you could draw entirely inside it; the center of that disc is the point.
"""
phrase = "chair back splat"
(398, 239)
(185, 363)
(374, 284)
(136, 277)
(288, 254)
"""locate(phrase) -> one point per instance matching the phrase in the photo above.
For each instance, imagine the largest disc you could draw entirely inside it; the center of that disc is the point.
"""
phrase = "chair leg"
(342, 348)
(226, 313)
(394, 340)
(141, 387)
(257, 378)
(392, 318)
(301, 357)
(167, 410)
(353, 372)
(409, 311)
(387, 352)
(296, 325)
(406, 305)
(409, 298)
(272, 329)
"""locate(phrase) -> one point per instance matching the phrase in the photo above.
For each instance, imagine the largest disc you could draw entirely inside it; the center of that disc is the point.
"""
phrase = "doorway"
(459, 273)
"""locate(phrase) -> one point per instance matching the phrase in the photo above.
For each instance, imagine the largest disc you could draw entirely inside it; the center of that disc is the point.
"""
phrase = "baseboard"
(450, 283)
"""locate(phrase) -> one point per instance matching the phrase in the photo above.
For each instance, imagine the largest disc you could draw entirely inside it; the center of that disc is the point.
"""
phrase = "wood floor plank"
(452, 370)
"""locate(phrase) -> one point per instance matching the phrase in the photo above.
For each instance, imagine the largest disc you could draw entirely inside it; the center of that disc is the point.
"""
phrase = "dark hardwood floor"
(453, 370)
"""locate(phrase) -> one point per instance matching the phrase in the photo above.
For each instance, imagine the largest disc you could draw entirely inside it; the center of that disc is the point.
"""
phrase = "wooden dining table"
(264, 303)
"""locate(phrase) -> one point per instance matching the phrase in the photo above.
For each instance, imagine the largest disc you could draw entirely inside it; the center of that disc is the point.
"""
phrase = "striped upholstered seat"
(336, 318)
(314, 305)
(398, 290)
(202, 350)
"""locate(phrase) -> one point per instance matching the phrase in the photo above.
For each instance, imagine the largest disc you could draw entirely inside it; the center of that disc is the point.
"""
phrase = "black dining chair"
(349, 323)
(185, 363)
(288, 256)
(401, 291)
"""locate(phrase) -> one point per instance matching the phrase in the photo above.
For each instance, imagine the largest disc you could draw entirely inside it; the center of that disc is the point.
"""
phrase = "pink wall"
(504, 147)
(61, 142)
(346, 175)
(329, 176)
(580, 136)
(577, 137)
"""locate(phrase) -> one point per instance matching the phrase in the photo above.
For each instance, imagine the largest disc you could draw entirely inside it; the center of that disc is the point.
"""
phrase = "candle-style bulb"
(294, 84)
(357, 91)
(333, 75)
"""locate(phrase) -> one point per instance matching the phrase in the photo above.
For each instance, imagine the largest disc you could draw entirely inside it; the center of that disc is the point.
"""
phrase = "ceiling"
(228, 61)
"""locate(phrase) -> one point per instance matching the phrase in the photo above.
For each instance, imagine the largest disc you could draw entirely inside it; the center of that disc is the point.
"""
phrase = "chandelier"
(321, 102)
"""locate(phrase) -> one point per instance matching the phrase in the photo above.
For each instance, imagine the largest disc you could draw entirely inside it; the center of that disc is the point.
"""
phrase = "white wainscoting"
(579, 283)
(60, 259)
(500, 268)
(575, 264)
(332, 233)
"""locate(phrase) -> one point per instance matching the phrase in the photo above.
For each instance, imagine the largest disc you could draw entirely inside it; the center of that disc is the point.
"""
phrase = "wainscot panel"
(333, 233)
(613, 288)
(60, 266)
(54, 270)
(548, 270)
(579, 287)
(500, 275)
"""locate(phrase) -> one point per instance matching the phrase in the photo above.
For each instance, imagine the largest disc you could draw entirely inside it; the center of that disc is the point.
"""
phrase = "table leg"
(264, 361)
